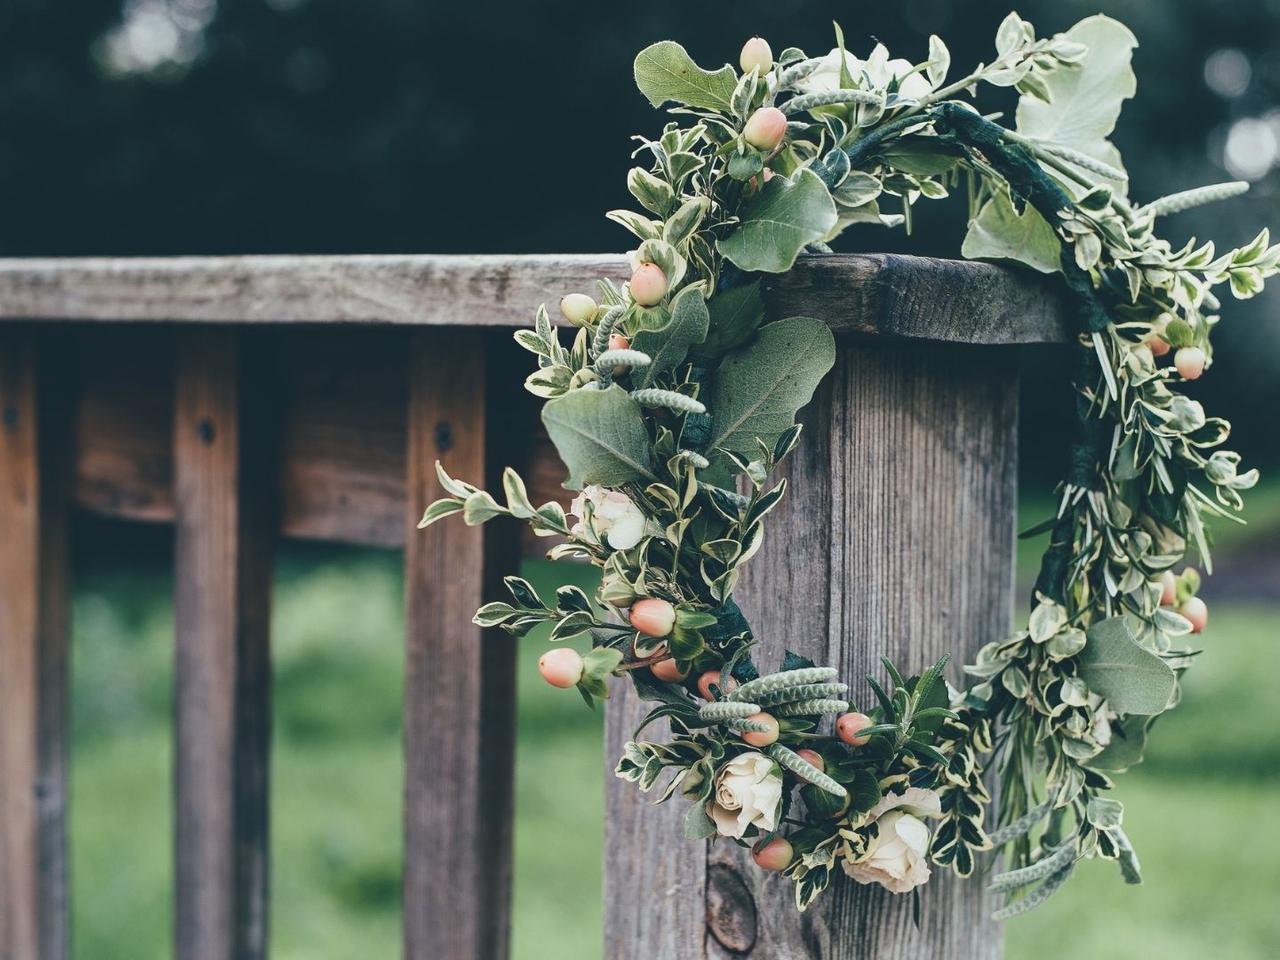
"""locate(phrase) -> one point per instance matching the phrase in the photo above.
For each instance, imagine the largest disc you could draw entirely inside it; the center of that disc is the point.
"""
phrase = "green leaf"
(758, 389)
(1085, 101)
(437, 510)
(1128, 743)
(778, 221)
(664, 71)
(599, 662)
(1132, 679)
(668, 345)
(600, 436)
(734, 315)
(697, 825)
(999, 232)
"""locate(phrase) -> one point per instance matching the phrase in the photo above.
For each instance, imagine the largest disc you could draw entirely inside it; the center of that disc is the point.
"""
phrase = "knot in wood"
(444, 436)
(10, 417)
(731, 911)
(206, 431)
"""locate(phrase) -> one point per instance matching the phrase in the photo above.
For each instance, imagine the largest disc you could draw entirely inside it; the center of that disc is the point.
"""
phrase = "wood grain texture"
(897, 538)
(224, 494)
(459, 680)
(888, 295)
(34, 617)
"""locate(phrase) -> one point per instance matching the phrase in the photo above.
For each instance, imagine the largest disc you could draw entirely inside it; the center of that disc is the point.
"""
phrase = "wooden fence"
(244, 399)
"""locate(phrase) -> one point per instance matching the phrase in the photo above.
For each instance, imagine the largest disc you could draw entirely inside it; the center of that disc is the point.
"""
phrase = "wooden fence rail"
(245, 399)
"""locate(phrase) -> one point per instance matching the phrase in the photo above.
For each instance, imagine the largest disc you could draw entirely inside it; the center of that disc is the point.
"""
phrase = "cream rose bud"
(896, 857)
(756, 55)
(577, 308)
(648, 285)
(614, 516)
(765, 128)
(748, 793)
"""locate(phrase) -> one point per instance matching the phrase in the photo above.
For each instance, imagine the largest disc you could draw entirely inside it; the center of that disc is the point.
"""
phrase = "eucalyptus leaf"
(669, 344)
(600, 436)
(777, 223)
(758, 389)
(665, 71)
(999, 232)
(733, 316)
(1132, 679)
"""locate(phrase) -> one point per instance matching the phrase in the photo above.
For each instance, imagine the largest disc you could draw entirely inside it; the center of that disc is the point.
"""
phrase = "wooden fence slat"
(459, 683)
(224, 488)
(896, 537)
(34, 619)
(881, 294)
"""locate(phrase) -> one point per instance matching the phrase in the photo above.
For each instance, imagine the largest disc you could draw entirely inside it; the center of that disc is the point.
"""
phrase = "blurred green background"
(1199, 809)
(315, 126)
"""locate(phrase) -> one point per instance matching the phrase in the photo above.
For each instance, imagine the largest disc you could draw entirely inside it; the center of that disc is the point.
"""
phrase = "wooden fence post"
(35, 443)
(896, 538)
(459, 731)
(224, 492)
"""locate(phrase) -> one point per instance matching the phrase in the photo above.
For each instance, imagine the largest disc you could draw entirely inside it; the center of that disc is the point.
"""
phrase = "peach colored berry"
(652, 617)
(561, 667)
(668, 672)
(848, 725)
(710, 677)
(763, 738)
(766, 128)
(1168, 588)
(648, 285)
(577, 308)
(773, 855)
(1190, 362)
(1195, 610)
(618, 342)
(756, 55)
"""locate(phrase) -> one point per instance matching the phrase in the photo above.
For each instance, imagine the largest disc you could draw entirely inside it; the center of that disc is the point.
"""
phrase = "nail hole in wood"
(444, 436)
(205, 431)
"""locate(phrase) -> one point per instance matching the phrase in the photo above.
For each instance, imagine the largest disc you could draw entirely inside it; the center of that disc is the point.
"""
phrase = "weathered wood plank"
(896, 537)
(459, 682)
(911, 458)
(889, 295)
(225, 525)
(34, 618)
(342, 400)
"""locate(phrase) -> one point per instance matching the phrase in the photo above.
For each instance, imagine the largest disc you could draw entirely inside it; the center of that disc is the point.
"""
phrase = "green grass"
(1197, 810)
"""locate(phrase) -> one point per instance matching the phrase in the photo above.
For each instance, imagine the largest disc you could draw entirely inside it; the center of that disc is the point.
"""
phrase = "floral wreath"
(676, 402)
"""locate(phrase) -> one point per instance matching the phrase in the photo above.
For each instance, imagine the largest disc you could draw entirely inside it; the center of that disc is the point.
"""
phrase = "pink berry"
(648, 284)
(1158, 345)
(766, 128)
(706, 680)
(763, 738)
(1168, 588)
(618, 342)
(756, 55)
(653, 618)
(767, 174)
(813, 758)
(1190, 362)
(561, 667)
(668, 672)
(1195, 610)
(848, 725)
(773, 855)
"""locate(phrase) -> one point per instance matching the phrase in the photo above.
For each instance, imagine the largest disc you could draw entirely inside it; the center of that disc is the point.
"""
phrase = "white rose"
(748, 794)
(895, 859)
(614, 516)
(880, 70)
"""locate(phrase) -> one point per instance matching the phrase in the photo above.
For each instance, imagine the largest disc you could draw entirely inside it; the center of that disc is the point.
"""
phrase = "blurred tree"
(306, 126)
